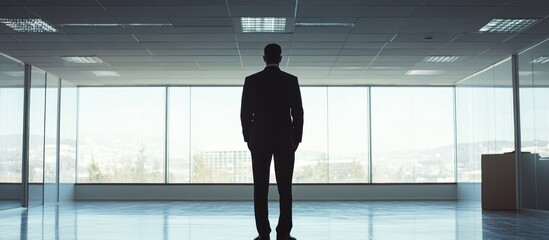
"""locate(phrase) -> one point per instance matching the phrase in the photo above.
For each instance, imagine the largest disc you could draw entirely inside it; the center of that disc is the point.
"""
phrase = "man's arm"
(246, 112)
(297, 113)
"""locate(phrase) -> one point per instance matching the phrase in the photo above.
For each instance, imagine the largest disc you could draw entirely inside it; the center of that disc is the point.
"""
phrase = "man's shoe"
(259, 238)
(287, 238)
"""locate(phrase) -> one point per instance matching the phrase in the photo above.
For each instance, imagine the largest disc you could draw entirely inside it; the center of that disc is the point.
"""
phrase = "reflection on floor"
(234, 220)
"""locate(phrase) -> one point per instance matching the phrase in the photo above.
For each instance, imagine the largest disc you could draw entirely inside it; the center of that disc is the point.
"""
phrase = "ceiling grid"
(336, 42)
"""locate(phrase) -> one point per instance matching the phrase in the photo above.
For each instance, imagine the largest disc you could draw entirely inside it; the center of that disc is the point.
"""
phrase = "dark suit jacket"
(271, 112)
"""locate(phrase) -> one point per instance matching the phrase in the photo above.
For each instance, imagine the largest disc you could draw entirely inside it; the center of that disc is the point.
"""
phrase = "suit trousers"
(284, 158)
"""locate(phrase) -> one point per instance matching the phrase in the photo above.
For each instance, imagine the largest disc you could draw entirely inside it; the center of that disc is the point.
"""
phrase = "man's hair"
(272, 53)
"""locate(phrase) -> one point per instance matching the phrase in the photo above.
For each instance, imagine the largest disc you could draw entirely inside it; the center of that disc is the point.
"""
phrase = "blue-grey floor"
(234, 220)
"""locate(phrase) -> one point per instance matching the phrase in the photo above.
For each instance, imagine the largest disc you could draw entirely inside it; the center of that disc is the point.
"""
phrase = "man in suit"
(272, 123)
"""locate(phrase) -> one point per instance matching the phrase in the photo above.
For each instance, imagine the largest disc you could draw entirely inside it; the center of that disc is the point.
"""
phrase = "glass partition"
(67, 139)
(11, 132)
(484, 121)
(50, 139)
(534, 106)
(37, 137)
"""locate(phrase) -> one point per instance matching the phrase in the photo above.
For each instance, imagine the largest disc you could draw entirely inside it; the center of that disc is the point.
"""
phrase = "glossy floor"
(234, 220)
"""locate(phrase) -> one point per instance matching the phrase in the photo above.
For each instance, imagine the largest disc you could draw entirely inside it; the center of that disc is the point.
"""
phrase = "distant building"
(233, 166)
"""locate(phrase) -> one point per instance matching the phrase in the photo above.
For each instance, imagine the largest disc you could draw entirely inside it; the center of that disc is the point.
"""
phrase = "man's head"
(272, 54)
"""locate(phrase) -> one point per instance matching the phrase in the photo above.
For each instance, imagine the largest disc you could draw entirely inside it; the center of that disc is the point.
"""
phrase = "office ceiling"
(202, 43)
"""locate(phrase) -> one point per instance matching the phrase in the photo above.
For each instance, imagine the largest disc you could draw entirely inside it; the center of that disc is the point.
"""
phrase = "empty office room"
(264, 119)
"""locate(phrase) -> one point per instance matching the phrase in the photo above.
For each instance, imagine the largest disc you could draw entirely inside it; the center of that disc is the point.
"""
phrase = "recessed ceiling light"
(15, 73)
(35, 25)
(540, 60)
(499, 25)
(352, 68)
(263, 24)
(327, 24)
(387, 68)
(82, 59)
(440, 59)
(424, 72)
(115, 25)
(105, 73)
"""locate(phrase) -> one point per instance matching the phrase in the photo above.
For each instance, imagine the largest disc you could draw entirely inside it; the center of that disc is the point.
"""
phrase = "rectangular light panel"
(105, 73)
(263, 24)
(115, 25)
(540, 60)
(499, 25)
(31, 25)
(327, 24)
(440, 59)
(424, 72)
(82, 59)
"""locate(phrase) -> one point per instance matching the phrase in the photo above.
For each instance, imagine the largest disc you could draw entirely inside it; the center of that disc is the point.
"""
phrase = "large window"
(121, 135)
(67, 147)
(311, 158)
(179, 135)
(218, 152)
(412, 134)
(348, 134)
(11, 131)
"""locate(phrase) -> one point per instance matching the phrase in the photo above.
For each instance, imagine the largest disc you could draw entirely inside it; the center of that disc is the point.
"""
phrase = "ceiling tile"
(263, 11)
(101, 37)
(328, 11)
(136, 11)
(196, 11)
(452, 11)
(70, 11)
(387, 11)
(319, 37)
(438, 25)
(522, 12)
(201, 22)
(331, 2)
(379, 25)
(16, 12)
(43, 37)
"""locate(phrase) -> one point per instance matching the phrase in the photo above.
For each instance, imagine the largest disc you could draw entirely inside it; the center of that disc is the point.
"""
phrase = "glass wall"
(348, 135)
(11, 132)
(121, 135)
(67, 140)
(311, 157)
(179, 107)
(412, 134)
(50, 140)
(68, 120)
(534, 106)
(484, 109)
(37, 136)
(218, 153)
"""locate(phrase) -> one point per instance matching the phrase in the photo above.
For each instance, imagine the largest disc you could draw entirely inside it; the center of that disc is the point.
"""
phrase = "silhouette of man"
(272, 123)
